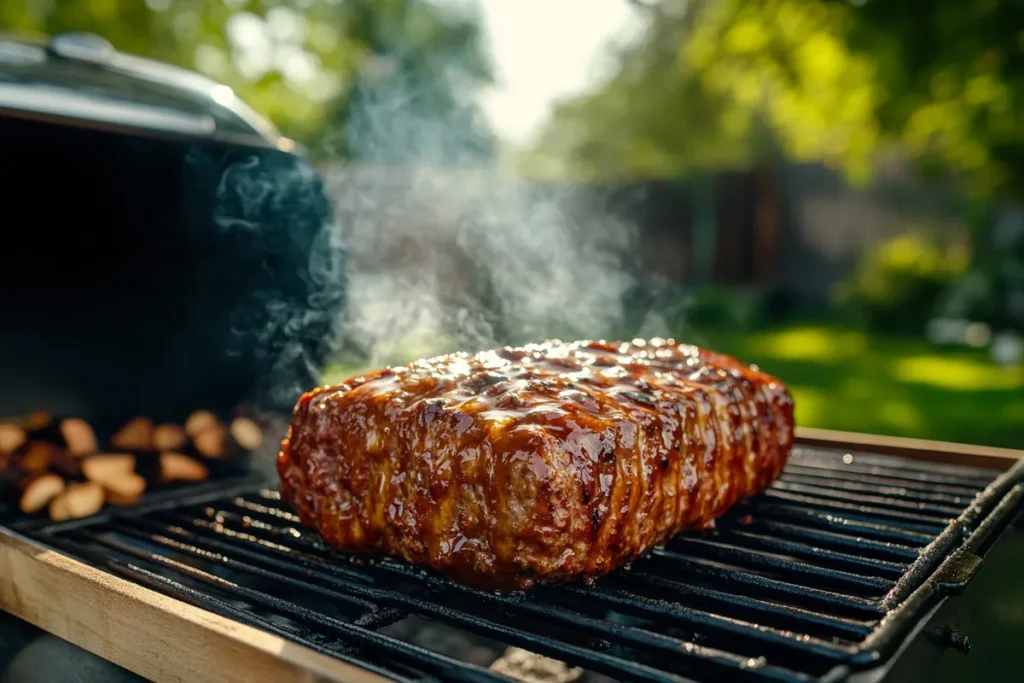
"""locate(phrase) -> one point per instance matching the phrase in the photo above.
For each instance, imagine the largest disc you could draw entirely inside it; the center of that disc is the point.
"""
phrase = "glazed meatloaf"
(544, 463)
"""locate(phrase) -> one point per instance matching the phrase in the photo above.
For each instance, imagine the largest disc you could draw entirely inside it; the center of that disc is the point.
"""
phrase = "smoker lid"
(80, 79)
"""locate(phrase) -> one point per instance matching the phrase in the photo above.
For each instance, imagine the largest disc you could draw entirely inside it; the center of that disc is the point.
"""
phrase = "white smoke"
(444, 259)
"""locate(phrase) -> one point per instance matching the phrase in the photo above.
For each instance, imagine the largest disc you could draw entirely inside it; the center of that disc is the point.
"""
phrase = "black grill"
(822, 575)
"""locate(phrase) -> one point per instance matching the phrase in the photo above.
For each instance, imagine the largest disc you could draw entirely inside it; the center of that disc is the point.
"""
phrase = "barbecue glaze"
(543, 463)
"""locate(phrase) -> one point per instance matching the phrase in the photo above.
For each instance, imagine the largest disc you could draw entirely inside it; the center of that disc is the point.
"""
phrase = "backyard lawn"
(846, 379)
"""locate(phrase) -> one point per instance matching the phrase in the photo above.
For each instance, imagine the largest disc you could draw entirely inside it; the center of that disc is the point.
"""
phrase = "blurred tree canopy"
(729, 82)
(306, 64)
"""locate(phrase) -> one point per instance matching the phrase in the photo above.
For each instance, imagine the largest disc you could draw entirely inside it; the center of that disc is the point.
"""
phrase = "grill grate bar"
(915, 494)
(817, 475)
(658, 565)
(625, 597)
(271, 509)
(907, 520)
(822, 556)
(688, 654)
(850, 522)
(881, 550)
(708, 624)
(939, 512)
(763, 561)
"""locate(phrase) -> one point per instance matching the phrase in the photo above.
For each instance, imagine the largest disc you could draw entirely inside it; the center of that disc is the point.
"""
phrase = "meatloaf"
(544, 463)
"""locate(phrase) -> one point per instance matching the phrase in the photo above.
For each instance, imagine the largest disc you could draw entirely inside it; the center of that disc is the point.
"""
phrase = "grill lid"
(80, 79)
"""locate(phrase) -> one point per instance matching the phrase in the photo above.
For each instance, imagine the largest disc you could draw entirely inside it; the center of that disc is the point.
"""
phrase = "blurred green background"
(828, 188)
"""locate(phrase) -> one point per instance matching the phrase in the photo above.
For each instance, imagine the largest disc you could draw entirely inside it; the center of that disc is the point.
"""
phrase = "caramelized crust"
(543, 463)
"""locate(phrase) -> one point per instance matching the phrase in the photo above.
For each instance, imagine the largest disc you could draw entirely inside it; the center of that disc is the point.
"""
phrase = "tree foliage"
(297, 62)
(727, 81)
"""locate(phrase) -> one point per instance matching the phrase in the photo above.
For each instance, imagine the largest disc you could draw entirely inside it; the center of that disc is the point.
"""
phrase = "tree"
(413, 99)
(297, 62)
(651, 118)
(829, 80)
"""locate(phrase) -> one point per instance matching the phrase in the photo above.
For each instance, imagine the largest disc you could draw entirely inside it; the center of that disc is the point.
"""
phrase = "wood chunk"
(135, 435)
(32, 422)
(59, 511)
(79, 436)
(125, 489)
(212, 442)
(169, 437)
(105, 466)
(12, 437)
(200, 421)
(526, 666)
(37, 457)
(83, 500)
(179, 467)
(39, 491)
(247, 433)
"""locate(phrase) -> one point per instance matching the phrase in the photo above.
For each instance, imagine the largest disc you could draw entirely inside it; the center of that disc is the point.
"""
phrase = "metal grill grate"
(823, 574)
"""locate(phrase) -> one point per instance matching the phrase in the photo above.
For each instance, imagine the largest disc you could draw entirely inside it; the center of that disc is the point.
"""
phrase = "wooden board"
(164, 639)
(154, 635)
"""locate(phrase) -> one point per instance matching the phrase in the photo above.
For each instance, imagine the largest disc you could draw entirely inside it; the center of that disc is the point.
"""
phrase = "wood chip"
(12, 437)
(200, 421)
(106, 466)
(247, 433)
(179, 467)
(169, 437)
(212, 442)
(79, 436)
(83, 500)
(125, 489)
(39, 492)
(135, 435)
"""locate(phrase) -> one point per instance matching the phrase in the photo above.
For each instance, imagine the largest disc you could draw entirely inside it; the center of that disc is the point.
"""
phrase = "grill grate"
(823, 574)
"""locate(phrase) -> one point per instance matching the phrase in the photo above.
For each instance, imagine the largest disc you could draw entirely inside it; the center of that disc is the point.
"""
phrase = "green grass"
(846, 379)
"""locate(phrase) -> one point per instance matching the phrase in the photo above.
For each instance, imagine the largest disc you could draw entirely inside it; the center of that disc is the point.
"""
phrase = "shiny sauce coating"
(544, 463)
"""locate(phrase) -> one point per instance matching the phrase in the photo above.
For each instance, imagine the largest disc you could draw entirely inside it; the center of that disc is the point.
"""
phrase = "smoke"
(429, 247)
(468, 259)
(288, 287)
(447, 252)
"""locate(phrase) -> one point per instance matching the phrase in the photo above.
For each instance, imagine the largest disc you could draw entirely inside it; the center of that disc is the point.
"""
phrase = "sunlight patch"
(956, 373)
(817, 344)
(811, 406)
(902, 415)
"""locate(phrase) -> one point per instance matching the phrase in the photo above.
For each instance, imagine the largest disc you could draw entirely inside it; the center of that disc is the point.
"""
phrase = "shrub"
(898, 284)
(993, 291)
(725, 308)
